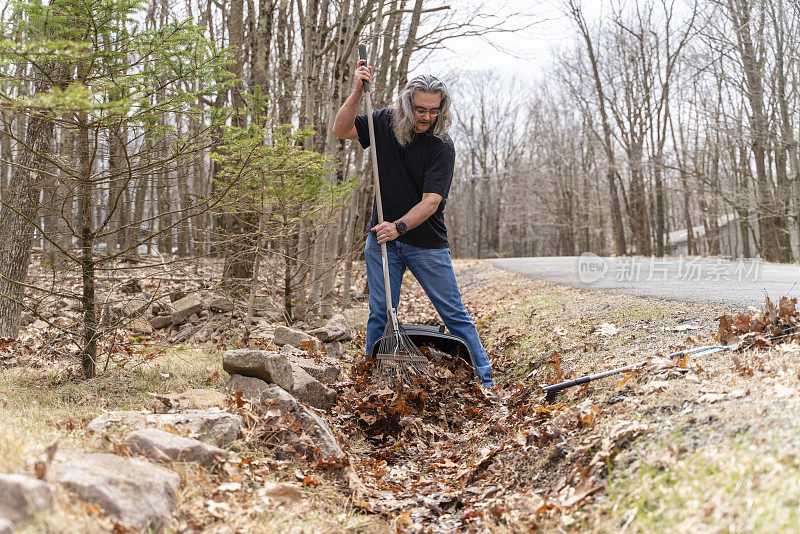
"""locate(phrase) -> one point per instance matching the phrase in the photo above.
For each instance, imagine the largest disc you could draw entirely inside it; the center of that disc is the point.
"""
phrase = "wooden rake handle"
(362, 52)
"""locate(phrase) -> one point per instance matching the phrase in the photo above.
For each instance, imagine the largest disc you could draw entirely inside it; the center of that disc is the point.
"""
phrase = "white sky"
(525, 54)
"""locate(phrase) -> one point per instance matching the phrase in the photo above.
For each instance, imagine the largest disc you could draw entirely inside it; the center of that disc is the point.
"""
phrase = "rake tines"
(399, 361)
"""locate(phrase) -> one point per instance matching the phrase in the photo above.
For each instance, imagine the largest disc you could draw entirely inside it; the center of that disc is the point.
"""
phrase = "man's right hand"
(344, 124)
(363, 74)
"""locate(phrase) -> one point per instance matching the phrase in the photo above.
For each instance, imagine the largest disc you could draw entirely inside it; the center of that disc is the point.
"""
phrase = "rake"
(399, 361)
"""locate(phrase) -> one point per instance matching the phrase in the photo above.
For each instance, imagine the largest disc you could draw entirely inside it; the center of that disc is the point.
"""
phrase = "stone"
(290, 350)
(160, 321)
(323, 369)
(22, 496)
(194, 399)
(297, 338)
(311, 391)
(333, 349)
(186, 307)
(336, 329)
(251, 387)
(118, 311)
(219, 428)
(314, 425)
(160, 307)
(135, 492)
(357, 316)
(279, 397)
(220, 304)
(176, 295)
(161, 445)
(133, 307)
(139, 325)
(269, 366)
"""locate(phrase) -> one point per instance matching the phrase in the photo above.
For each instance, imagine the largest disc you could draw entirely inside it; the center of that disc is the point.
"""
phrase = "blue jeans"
(434, 272)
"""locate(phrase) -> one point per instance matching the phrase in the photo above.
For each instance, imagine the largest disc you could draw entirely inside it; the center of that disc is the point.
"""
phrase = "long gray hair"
(403, 116)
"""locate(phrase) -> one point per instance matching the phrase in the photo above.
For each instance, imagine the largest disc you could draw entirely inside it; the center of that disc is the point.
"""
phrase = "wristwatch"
(401, 227)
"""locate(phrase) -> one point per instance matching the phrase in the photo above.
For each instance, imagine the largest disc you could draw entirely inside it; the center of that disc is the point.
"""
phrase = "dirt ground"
(703, 445)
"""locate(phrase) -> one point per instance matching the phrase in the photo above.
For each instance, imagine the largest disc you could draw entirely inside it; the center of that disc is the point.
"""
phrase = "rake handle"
(362, 51)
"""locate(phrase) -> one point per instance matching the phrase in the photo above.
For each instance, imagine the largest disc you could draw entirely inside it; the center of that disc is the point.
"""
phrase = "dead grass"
(42, 405)
(736, 486)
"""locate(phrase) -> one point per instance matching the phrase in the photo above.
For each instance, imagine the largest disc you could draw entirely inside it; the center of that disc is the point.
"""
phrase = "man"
(415, 163)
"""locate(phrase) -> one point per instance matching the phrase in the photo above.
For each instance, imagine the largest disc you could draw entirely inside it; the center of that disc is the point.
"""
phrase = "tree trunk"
(612, 176)
(85, 204)
(771, 224)
(20, 208)
(411, 41)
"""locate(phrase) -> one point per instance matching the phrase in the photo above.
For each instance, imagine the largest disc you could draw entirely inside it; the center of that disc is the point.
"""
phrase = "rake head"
(399, 361)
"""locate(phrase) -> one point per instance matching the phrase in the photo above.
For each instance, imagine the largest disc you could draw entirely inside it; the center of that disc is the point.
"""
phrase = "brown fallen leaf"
(312, 480)
(41, 465)
(354, 482)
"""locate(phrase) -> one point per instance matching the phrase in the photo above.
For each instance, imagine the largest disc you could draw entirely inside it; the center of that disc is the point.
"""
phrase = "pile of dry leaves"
(443, 456)
(429, 408)
(760, 327)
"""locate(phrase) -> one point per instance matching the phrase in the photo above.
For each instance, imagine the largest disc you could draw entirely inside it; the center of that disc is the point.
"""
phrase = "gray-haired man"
(416, 159)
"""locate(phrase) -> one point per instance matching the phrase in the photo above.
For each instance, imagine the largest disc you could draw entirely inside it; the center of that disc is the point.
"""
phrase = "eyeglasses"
(434, 112)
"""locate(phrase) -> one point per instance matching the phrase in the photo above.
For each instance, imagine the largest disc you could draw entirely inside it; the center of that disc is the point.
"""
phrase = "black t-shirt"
(424, 166)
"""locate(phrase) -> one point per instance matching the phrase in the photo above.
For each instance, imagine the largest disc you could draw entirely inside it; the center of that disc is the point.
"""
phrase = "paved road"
(735, 284)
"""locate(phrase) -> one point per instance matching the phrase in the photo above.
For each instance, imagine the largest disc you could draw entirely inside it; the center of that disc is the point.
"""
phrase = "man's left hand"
(385, 231)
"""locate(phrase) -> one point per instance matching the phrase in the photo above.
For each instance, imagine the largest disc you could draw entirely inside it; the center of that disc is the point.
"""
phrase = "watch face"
(401, 227)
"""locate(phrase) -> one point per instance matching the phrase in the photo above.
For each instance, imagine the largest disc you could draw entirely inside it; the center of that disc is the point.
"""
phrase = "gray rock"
(357, 316)
(279, 397)
(297, 338)
(333, 349)
(160, 321)
(139, 325)
(219, 428)
(21, 496)
(116, 311)
(314, 425)
(136, 492)
(323, 369)
(160, 307)
(132, 307)
(161, 445)
(291, 350)
(220, 304)
(310, 390)
(186, 307)
(336, 329)
(251, 387)
(269, 366)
